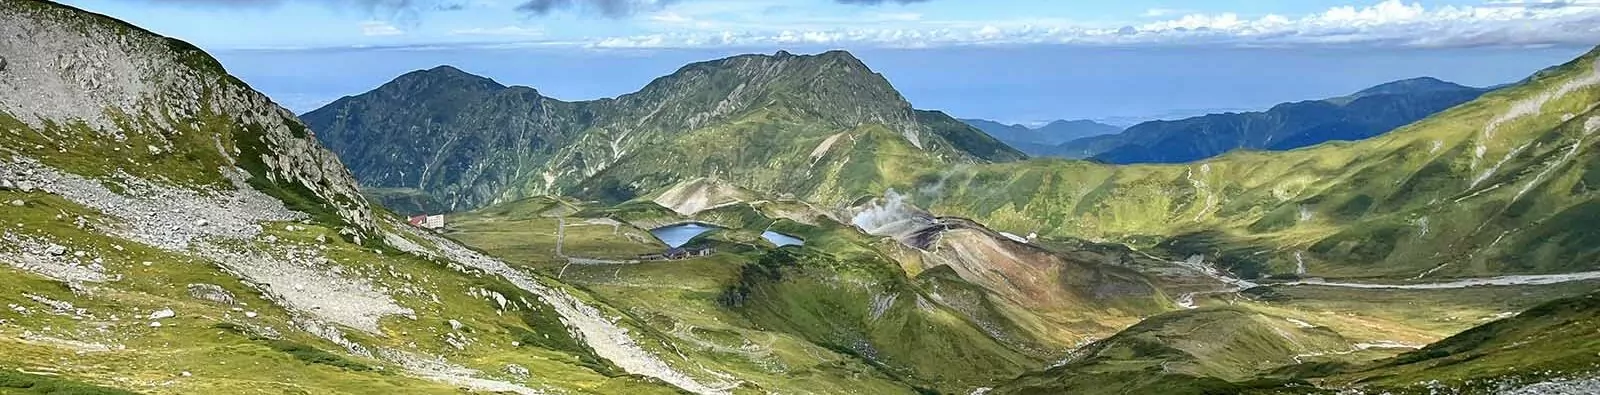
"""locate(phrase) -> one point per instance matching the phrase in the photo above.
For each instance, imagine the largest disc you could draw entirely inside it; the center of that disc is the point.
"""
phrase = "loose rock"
(517, 370)
(211, 292)
(163, 314)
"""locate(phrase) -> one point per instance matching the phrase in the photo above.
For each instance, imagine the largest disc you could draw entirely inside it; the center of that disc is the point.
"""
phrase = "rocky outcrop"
(120, 83)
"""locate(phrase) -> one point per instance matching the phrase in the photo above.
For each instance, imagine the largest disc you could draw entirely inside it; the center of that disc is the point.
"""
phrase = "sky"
(1008, 60)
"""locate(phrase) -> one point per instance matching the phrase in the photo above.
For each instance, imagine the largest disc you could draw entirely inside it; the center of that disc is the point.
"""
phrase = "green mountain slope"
(1548, 343)
(836, 315)
(1498, 185)
(1205, 351)
(475, 141)
(169, 230)
(1546, 349)
(1286, 126)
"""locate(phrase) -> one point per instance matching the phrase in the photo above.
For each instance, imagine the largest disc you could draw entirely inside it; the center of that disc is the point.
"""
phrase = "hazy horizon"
(1015, 61)
(1011, 85)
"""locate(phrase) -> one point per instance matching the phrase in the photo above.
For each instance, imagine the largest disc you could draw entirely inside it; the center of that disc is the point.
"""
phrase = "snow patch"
(1299, 263)
(1490, 172)
(822, 149)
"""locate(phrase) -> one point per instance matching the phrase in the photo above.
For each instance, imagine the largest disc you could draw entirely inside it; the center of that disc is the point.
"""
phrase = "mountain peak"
(840, 56)
(445, 69)
(1412, 85)
(446, 75)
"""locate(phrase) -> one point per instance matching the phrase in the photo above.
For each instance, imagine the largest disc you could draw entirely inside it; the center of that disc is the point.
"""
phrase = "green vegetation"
(1205, 351)
(843, 313)
(1390, 207)
(1555, 339)
(777, 317)
(676, 128)
(405, 201)
(27, 383)
(301, 351)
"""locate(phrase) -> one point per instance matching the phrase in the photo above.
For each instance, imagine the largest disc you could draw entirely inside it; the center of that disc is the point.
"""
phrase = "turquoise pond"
(782, 239)
(677, 235)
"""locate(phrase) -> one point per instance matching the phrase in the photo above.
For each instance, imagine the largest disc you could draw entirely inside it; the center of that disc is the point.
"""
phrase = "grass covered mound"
(14, 382)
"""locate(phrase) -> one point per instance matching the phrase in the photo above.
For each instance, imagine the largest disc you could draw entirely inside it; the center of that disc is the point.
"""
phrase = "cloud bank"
(1391, 23)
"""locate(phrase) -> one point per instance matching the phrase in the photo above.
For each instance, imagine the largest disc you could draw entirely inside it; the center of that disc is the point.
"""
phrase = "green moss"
(25, 383)
(304, 352)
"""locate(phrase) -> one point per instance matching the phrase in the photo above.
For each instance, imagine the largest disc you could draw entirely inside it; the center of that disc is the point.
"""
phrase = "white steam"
(891, 216)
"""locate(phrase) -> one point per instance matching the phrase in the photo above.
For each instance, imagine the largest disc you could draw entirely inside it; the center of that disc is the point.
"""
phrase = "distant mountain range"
(1041, 140)
(1364, 114)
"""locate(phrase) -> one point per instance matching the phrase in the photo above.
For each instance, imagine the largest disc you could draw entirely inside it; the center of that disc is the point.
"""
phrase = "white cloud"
(670, 17)
(901, 16)
(380, 28)
(1162, 12)
(1390, 23)
(517, 31)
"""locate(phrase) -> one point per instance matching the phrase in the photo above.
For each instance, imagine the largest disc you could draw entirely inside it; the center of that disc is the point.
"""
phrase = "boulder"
(163, 314)
(211, 292)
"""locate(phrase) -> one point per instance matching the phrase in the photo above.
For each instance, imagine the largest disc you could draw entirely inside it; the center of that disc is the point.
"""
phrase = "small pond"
(677, 235)
(782, 239)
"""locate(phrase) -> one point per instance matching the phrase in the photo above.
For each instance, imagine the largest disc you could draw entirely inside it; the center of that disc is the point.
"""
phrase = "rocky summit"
(759, 224)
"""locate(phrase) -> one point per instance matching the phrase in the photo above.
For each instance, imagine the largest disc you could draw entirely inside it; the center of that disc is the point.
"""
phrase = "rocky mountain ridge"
(475, 141)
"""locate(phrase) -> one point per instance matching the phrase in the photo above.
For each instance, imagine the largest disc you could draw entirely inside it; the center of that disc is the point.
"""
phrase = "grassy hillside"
(1498, 185)
(1551, 341)
(1205, 351)
(833, 316)
(169, 230)
(781, 153)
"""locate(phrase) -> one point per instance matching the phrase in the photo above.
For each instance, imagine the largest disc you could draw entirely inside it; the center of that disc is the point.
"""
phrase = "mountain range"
(1364, 114)
(168, 229)
(1041, 140)
(468, 141)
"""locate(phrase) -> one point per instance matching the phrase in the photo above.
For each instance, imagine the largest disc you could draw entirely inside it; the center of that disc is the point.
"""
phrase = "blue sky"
(1013, 60)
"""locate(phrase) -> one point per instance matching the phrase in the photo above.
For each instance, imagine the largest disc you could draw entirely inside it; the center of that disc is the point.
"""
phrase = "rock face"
(119, 82)
(468, 141)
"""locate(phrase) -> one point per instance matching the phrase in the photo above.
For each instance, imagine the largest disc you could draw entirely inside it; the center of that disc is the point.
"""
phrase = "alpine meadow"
(783, 216)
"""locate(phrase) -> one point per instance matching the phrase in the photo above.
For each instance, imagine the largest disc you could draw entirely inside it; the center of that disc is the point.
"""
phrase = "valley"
(759, 224)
